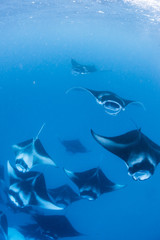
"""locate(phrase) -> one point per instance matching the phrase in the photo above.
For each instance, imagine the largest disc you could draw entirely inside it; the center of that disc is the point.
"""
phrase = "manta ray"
(3, 193)
(49, 227)
(140, 154)
(1, 172)
(33, 231)
(92, 183)
(82, 69)
(31, 153)
(112, 103)
(63, 195)
(3, 188)
(29, 190)
(3, 226)
(74, 146)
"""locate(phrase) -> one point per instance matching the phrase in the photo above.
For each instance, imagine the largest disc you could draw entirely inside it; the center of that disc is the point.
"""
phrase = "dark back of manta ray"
(95, 178)
(63, 195)
(76, 66)
(3, 226)
(1, 172)
(40, 149)
(3, 190)
(82, 68)
(57, 226)
(40, 189)
(33, 231)
(74, 146)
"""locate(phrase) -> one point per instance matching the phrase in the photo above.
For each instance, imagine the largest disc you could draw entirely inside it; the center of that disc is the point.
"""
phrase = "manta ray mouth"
(89, 193)
(21, 165)
(141, 175)
(112, 107)
(142, 171)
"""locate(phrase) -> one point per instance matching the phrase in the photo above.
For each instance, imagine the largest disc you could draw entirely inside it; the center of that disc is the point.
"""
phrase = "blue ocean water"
(122, 39)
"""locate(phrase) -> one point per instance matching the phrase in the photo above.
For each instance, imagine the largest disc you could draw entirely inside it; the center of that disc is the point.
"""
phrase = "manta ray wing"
(1, 172)
(12, 173)
(140, 154)
(75, 64)
(74, 146)
(122, 145)
(16, 176)
(24, 154)
(75, 177)
(29, 154)
(20, 188)
(29, 189)
(41, 156)
(86, 182)
(23, 146)
(40, 196)
(56, 226)
(33, 231)
(112, 103)
(3, 226)
(94, 93)
(82, 69)
(128, 102)
(18, 195)
(92, 183)
(63, 195)
(105, 184)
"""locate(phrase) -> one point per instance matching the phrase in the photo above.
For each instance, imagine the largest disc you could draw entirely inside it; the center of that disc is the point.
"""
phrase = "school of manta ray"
(24, 190)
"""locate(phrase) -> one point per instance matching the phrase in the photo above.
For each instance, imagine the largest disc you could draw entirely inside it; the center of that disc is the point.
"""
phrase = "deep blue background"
(35, 72)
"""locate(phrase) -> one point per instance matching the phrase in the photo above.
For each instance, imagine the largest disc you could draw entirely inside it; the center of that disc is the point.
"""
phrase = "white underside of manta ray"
(31, 153)
(29, 190)
(112, 103)
(140, 154)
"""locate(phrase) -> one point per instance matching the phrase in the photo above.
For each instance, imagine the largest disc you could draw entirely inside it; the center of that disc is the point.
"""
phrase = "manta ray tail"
(40, 131)
(136, 125)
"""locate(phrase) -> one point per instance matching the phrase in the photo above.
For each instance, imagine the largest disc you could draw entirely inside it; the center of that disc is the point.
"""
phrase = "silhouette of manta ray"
(92, 183)
(29, 190)
(140, 154)
(31, 153)
(3, 188)
(49, 227)
(74, 146)
(3, 226)
(1, 172)
(33, 231)
(63, 196)
(112, 103)
(3, 193)
(82, 69)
